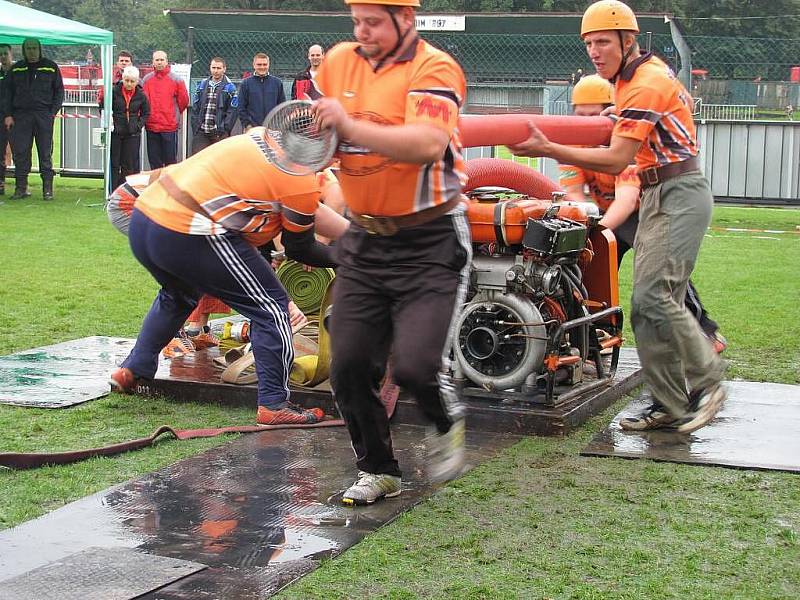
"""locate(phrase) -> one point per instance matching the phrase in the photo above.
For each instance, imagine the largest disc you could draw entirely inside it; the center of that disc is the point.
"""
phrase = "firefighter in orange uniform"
(654, 128)
(196, 228)
(403, 263)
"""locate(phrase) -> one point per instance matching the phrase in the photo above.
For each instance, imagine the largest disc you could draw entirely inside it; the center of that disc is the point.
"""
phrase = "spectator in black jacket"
(303, 80)
(214, 107)
(6, 60)
(129, 111)
(33, 95)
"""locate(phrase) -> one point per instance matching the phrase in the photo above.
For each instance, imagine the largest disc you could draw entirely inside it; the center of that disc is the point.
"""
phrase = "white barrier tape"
(76, 116)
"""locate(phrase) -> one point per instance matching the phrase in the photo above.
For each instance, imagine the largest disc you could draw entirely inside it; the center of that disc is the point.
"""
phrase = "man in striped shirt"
(654, 128)
(617, 196)
(403, 264)
(196, 228)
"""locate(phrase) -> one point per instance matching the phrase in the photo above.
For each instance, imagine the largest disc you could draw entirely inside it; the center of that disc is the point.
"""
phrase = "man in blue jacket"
(214, 107)
(259, 94)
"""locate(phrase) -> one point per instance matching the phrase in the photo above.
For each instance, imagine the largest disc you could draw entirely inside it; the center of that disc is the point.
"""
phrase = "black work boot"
(47, 189)
(21, 190)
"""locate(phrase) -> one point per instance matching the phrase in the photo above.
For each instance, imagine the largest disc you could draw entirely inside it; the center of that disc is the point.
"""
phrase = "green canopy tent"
(20, 22)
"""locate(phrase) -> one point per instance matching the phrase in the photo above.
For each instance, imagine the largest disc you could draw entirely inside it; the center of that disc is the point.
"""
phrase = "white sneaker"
(370, 487)
(703, 409)
(446, 452)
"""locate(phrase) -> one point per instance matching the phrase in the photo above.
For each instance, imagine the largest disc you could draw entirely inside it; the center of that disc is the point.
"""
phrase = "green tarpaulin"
(18, 22)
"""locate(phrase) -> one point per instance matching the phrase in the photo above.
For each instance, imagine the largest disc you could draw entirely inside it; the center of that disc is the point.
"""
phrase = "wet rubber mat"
(757, 428)
(98, 574)
(260, 511)
(62, 374)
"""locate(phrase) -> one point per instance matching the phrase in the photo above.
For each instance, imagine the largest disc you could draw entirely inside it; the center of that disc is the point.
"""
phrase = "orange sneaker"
(178, 346)
(122, 381)
(287, 415)
(317, 412)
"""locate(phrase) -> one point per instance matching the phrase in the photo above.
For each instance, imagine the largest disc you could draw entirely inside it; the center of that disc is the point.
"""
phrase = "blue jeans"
(162, 149)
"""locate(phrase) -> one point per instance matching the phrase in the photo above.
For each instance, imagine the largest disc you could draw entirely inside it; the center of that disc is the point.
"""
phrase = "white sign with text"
(440, 22)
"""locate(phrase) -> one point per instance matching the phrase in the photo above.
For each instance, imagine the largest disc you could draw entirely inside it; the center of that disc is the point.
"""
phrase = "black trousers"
(124, 157)
(4, 139)
(162, 149)
(397, 294)
(30, 126)
(626, 234)
(202, 140)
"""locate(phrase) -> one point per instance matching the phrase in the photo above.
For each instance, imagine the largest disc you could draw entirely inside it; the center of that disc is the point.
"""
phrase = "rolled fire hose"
(312, 291)
(506, 173)
(313, 368)
(306, 288)
(509, 129)
(312, 361)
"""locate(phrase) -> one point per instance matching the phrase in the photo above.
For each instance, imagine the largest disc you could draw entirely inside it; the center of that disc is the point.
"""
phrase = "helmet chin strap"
(400, 39)
(625, 56)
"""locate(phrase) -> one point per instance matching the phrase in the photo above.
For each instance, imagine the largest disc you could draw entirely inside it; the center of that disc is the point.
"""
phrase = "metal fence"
(485, 58)
(533, 57)
(752, 160)
(764, 59)
(520, 71)
(728, 112)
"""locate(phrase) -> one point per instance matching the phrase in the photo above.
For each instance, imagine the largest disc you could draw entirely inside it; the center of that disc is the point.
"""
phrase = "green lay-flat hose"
(306, 288)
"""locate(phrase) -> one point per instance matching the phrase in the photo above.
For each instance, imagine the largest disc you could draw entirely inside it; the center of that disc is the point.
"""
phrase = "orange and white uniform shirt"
(239, 190)
(658, 115)
(601, 187)
(423, 85)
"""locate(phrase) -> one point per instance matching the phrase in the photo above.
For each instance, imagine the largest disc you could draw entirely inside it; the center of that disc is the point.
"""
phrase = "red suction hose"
(502, 130)
(506, 173)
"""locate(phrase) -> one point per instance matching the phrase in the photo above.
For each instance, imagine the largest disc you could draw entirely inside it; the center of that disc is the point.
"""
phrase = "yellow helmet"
(385, 2)
(608, 15)
(593, 89)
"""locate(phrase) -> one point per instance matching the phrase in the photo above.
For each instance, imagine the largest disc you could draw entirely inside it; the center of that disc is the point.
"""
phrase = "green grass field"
(536, 522)
(505, 153)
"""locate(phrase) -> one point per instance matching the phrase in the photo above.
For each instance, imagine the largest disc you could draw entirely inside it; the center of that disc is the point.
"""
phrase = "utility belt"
(655, 175)
(388, 226)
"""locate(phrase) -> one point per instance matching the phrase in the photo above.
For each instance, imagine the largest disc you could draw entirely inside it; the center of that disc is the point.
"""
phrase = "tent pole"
(107, 55)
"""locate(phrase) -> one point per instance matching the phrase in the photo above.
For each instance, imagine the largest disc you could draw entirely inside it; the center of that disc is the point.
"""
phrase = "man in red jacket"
(168, 99)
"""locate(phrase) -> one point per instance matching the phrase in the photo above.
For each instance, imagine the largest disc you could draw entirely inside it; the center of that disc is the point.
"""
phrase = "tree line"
(740, 18)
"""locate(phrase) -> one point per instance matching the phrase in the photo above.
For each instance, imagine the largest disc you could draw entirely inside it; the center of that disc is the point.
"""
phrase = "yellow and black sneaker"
(370, 487)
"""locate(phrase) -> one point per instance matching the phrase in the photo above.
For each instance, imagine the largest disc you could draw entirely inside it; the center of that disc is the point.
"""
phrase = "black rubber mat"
(757, 428)
(63, 374)
(98, 574)
(260, 511)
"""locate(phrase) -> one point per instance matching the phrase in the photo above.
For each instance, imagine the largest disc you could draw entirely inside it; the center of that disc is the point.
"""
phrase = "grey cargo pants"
(673, 351)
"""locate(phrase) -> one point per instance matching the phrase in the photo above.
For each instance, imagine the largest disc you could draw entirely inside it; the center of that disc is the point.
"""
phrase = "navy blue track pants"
(227, 267)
